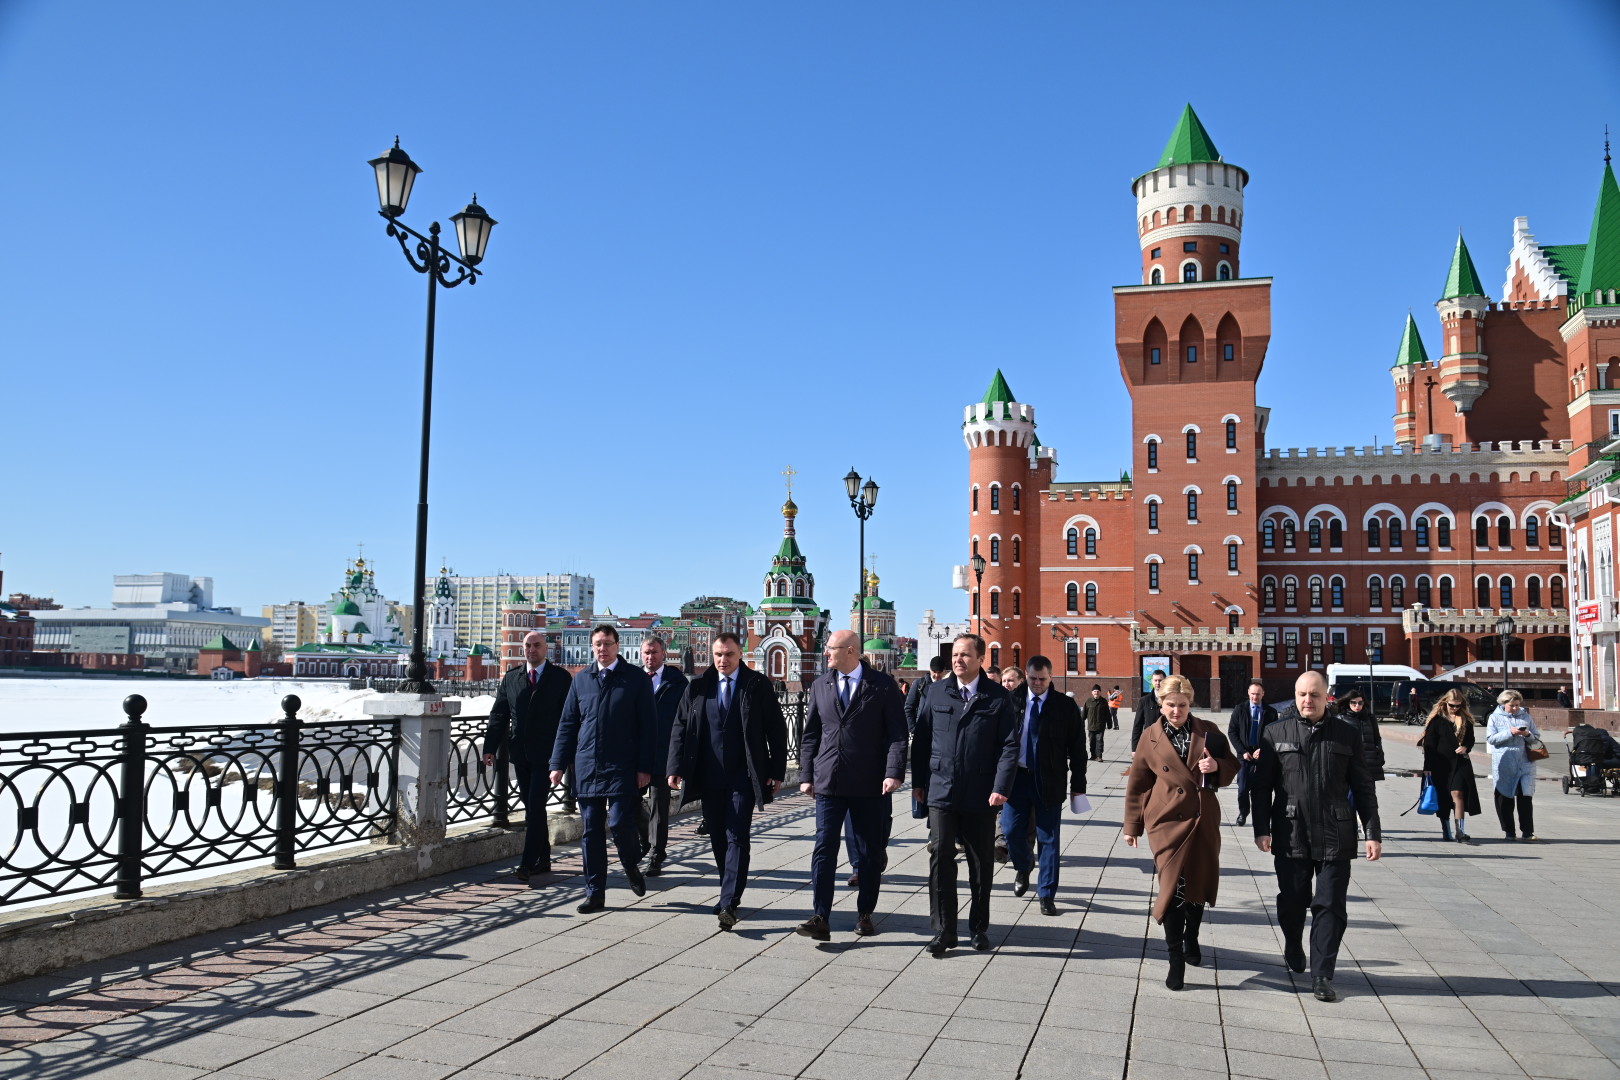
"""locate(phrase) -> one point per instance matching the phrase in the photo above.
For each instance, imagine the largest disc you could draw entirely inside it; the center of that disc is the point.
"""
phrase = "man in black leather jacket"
(1309, 765)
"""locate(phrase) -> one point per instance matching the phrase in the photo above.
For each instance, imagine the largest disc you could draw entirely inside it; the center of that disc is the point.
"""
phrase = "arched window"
(1555, 589)
(995, 551)
(1017, 656)
(1444, 531)
(1158, 276)
(1153, 453)
(1018, 550)
(1091, 599)
(995, 498)
(1072, 596)
(1482, 592)
(1555, 534)
(1225, 273)
(975, 500)
(1482, 532)
(781, 588)
(1017, 602)
(798, 587)
(995, 656)
(995, 601)
(1192, 567)
(1375, 592)
(1504, 586)
(1016, 491)
(1268, 534)
(1074, 543)
(1231, 622)
(1375, 537)
(1189, 273)
(1397, 593)
(1288, 535)
(1335, 534)
(1532, 532)
(1424, 590)
(1290, 592)
(1091, 543)
(1394, 534)
(1532, 592)
(1231, 434)
(1268, 593)
(1316, 592)
(1420, 532)
(1314, 532)
(1231, 495)
(1504, 532)
(1153, 576)
(1153, 514)
(1192, 446)
(1336, 592)
(1232, 558)
(1445, 591)
(1192, 506)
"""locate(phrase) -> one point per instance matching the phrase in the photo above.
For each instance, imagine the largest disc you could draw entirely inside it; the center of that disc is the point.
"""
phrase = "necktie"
(725, 695)
(534, 676)
(1029, 731)
(964, 693)
(843, 693)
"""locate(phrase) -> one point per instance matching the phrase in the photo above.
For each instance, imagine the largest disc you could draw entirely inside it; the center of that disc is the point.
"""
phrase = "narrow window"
(1397, 593)
(1425, 591)
(1268, 593)
(1316, 592)
(1231, 622)
(1016, 491)
(1226, 275)
(1505, 587)
(1445, 592)
(1482, 592)
(1374, 539)
(995, 498)
(1290, 592)
(1157, 279)
(1232, 557)
(1153, 576)
(1288, 536)
(1153, 453)
(1375, 592)
(1072, 596)
(1192, 506)
(1074, 543)
(1555, 534)
(1482, 533)
(1336, 639)
(1192, 446)
(1190, 273)
(995, 656)
(995, 602)
(1556, 589)
(1018, 549)
(1420, 532)
(1091, 599)
(1335, 534)
(1192, 350)
(1231, 428)
(1504, 532)
(1091, 542)
(1268, 534)
(1192, 567)
(1394, 535)
(1336, 592)
(1532, 592)
(1231, 495)
(1091, 658)
(1315, 534)
(995, 551)
(1153, 516)
(975, 500)
(1443, 531)
(1071, 656)
(1375, 647)
(1532, 532)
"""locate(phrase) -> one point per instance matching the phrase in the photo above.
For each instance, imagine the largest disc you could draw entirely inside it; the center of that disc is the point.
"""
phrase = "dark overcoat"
(1061, 750)
(667, 702)
(962, 751)
(607, 731)
(850, 752)
(525, 717)
(1302, 785)
(1176, 806)
(764, 730)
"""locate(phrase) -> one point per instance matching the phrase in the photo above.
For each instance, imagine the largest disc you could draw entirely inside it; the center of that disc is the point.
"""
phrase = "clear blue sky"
(732, 236)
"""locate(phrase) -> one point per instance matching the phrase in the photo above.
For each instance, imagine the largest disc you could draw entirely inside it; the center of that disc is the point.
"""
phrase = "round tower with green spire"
(1464, 366)
(1189, 209)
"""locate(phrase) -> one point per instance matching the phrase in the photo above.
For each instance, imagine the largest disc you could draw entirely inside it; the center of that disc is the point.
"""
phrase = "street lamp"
(978, 588)
(1504, 631)
(396, 176)
(863, 500)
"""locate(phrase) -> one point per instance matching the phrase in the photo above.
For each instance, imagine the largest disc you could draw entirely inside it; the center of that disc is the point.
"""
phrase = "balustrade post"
(503, 788)
(131, 798)
(421, 810)
(287, 784)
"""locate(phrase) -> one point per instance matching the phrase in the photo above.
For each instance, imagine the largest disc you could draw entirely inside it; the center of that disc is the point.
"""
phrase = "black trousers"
(1097, 745)
(655, 826)
(977, 830)
(1323, 897)
(534, 787)
(730, 818)
(1505, 806)
(1244, 776)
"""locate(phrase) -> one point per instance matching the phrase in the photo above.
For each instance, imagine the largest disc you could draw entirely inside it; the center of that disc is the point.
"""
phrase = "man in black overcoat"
(669, 685)
(524, 718)
(1249, 719)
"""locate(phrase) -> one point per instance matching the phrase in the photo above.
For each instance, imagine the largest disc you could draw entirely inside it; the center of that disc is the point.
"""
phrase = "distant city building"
(24, 602)
(358, 612)
(873, 618)
(165, 618)
(520, 616)
(479, 598)
(935, 638)
(787, 629)
(223, 658)
(349, 660)
(292, 624)
(441, 618)
(16, 632)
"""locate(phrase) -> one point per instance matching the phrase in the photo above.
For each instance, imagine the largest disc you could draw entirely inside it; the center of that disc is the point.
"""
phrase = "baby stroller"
(1594, 762)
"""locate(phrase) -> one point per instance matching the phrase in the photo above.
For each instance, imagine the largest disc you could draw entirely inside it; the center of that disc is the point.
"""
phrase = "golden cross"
(790, 472)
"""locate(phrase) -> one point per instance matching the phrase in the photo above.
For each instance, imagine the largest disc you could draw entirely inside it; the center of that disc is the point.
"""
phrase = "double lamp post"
(396, 175)
(863, 500)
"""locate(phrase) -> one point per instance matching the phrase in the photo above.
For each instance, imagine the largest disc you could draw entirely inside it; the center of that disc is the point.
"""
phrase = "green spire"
(517, 597)
(1412, 350)
(999, 390)
(1600, 269)
(222, 643)
(1189, 142)
(1463, 280)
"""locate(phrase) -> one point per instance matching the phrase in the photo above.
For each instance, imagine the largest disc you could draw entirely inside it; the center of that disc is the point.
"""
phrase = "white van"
(1379, 672)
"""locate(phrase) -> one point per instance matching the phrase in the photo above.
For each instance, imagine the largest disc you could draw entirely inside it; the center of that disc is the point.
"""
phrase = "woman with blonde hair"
(1513, 774)
(1448, 739)
(1170, 795)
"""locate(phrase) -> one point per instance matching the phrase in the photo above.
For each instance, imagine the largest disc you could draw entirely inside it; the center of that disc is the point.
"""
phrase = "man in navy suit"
(964, 759)
(1051, 766)
(852, 756)
(1248, 720)
(524, 718)
(668, 686)
(607, 730)
(729, 746)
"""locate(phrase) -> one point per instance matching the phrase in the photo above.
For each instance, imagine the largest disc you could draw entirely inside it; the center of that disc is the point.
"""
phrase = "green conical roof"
(1463, 280)
(222, 642)
(999, 390)
(789, 551)
(517, 597)
(1189, 142)
(347, 607)
(479, 650)
(1600, 268)
(1411, 350)
(254, 646)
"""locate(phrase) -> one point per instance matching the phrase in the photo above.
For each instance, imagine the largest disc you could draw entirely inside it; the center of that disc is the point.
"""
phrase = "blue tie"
(843, 692)
(1029, 731)
(725, 695)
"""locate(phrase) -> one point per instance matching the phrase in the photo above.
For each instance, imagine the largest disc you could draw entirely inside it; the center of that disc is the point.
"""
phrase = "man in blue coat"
(729, 746)
(964, 759)
(669, 684)
(609, 724)
(852, 756)
(524, 720)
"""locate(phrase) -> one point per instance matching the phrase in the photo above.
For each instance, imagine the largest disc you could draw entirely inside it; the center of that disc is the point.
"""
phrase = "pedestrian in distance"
(1243, 730)
(852, 758)
(729, 748)
(1147, 709)
(964, 756)
(1096, 712)
(608, 735)
(1354, 708)
(524, 719)
(1170, 796)
(1448, 741)
(1116, 700)
(669, 685)
(1051, 767)
(1012, 679)
(1564, 700)
(1513, 774)
(1310, 765)
(938, 668)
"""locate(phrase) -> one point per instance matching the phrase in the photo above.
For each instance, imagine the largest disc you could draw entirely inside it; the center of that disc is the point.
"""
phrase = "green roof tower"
(1462, 279)
(1190, 142)
(1600, 264)
(1189, 209)
(1411, 350)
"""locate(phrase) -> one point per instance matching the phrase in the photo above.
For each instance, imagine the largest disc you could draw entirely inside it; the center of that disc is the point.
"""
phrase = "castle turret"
(1413, 379)
(519, 616)
(1007, 469)
(1189, 209)
(1464, 367)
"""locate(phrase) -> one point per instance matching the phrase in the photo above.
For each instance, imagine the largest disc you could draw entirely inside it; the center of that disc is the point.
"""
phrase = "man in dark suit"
(1249, 719)
(607, 732)
(524, 719)
(852, 756)
(668, 686)
(1051, 766)
(1147, 710)
(964, 758)
(729, 748)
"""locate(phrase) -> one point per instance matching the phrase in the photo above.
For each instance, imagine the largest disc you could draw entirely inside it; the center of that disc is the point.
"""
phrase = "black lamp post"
(1504, 632)
(396, 176)
(978, 588)
(863, 500)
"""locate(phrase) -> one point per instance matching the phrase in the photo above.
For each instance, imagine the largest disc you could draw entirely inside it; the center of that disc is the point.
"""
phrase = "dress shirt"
(972, 688)
(535, 671)
(657, 675)
(854, 678)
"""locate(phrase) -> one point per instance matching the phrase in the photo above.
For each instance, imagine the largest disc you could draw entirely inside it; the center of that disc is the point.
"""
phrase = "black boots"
(1445, 828)
(1175, 928)
(1189, 944)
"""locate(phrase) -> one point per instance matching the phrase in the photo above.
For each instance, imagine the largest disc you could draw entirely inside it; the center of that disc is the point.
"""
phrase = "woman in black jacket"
(1354, 709)
(1448, 740)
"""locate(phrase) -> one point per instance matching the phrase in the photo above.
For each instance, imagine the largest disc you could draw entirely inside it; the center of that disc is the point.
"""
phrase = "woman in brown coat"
(1170, 790)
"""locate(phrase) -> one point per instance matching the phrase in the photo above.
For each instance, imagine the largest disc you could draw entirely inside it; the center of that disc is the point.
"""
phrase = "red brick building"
(1223, 560)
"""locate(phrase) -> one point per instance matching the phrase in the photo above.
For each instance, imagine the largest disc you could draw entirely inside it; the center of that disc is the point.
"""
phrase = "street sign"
(1586, 613)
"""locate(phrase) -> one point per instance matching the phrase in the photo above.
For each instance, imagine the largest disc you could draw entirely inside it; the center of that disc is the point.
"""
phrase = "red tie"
(534, 676)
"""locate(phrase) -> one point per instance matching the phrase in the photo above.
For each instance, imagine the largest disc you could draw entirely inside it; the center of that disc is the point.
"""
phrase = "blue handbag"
(1429, 803)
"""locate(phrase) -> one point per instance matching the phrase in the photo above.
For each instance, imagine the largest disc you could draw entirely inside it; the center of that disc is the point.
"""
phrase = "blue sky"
(733, 236)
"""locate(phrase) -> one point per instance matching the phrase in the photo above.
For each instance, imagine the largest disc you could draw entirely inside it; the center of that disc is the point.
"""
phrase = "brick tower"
(519, 615)
(1007, 471)
(1464, 366)
(1192, 340)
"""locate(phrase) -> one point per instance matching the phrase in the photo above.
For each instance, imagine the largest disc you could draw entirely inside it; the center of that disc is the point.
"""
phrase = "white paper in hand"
(1079, 804)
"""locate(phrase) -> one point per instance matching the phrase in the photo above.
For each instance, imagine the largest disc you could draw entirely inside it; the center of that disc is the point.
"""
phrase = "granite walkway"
(1496, 960)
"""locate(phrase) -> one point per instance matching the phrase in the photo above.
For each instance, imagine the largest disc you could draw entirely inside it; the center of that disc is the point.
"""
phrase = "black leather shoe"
(814, 928)
(1242, 820)
(728, 918)
(854, 881)
(981, 942)
(1294, 956)
(941, 944)
(591, 905)
(541, 868)
(1322, 989)
(864, 927)
(521, 873)
(638, 884)
(655, 866)
(1021, 883)
(1001, 853)
(703, 828)
(1048, 907)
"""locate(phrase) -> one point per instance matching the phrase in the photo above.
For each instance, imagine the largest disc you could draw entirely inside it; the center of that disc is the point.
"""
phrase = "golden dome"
(790, 509)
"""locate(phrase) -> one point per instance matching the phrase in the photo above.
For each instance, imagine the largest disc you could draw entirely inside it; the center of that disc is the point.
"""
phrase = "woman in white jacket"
(1513, 774)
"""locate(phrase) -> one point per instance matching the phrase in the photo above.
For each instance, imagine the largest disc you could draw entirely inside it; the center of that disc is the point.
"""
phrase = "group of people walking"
(1448, 743)
(980, 755)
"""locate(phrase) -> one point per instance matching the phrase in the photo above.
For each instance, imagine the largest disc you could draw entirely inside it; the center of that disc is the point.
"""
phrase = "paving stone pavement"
(1501, 959)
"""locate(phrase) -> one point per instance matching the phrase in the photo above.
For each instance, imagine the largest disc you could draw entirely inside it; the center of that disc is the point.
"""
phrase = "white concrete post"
(424, 763)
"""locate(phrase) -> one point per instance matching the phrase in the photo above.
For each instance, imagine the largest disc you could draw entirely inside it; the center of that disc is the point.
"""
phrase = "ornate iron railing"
(478, 791)
(82, 811)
